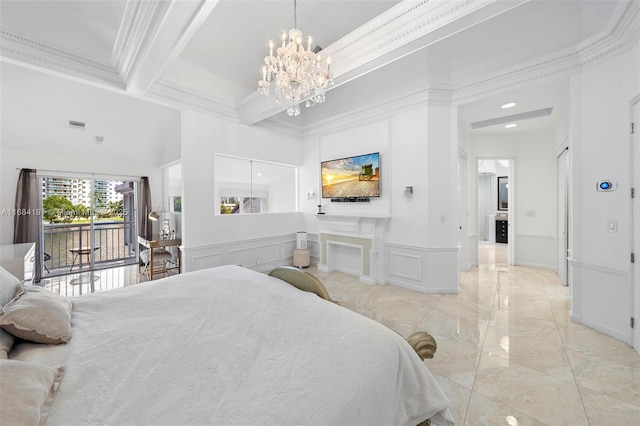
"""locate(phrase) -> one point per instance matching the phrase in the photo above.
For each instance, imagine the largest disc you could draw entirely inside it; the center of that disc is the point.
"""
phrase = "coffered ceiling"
(207, 55)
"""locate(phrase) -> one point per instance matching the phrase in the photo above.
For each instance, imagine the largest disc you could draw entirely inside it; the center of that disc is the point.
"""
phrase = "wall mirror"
(503, 193)
(246, 186)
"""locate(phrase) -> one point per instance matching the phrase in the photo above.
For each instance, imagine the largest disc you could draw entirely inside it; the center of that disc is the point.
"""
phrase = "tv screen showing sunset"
(357, 176)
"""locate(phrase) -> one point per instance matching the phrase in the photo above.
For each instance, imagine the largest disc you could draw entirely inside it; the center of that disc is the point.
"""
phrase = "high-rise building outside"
(79, 191)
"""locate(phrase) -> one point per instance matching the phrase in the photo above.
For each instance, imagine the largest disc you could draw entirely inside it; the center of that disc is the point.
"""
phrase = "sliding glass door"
(88, 223)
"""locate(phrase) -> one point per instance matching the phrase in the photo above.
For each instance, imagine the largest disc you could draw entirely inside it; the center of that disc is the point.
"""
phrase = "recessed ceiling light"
(509, 126)
(259, 174)
(508, 105)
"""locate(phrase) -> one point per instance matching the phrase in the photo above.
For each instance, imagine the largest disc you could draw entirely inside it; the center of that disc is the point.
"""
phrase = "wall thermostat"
(607, 185)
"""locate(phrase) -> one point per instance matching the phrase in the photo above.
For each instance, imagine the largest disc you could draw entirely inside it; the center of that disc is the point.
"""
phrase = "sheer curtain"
(145, 227)
(26, 225)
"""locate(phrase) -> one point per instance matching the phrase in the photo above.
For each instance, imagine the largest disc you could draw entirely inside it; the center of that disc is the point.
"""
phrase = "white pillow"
(10, 286)
(38, 315)
(27, 391)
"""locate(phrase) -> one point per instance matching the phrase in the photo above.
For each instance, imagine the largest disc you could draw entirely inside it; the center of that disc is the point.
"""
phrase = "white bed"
(232, 346)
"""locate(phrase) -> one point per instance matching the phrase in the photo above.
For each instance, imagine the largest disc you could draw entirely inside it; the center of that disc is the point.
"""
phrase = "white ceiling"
(208, 54)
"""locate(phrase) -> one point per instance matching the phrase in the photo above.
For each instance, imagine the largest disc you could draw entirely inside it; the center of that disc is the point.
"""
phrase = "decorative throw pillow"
(6, 342)
(27, 391)
(10, 286)
(38, 315)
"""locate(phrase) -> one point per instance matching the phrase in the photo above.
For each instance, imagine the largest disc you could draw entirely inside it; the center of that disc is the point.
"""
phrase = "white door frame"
(511, 247)
(463, 211)
(562, 164)
(511, 244)
(634, 148)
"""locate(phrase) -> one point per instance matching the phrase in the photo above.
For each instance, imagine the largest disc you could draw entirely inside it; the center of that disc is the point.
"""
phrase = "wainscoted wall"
(472, 252)
(538, 251)
(424, 269)
(428, 270)
(260, 254)
(601, 298)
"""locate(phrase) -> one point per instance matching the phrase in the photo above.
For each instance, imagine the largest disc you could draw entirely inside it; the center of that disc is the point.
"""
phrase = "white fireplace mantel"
(352, 216)
(352, 244)
(355, 225)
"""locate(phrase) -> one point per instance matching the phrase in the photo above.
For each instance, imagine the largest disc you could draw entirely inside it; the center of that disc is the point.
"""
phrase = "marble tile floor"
(492, 253)
(507, 352)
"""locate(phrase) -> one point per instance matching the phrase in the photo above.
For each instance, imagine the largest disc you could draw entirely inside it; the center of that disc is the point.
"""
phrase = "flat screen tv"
(352, 177)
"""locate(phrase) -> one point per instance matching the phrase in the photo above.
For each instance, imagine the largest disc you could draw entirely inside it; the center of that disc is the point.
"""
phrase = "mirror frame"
(503, 201)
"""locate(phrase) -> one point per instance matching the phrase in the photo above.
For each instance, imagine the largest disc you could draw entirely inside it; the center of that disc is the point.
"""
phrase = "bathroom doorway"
(495, 201)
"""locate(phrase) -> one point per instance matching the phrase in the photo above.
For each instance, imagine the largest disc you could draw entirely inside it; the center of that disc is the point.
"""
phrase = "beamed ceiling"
(207, 55)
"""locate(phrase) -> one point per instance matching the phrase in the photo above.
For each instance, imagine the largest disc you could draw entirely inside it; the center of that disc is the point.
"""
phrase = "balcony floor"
(82, 282)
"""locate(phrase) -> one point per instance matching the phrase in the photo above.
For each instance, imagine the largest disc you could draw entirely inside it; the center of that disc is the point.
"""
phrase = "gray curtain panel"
(145, 227)
(26, 227)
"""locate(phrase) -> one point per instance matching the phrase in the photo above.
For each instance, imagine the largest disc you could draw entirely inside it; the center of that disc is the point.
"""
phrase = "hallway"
(492, 254)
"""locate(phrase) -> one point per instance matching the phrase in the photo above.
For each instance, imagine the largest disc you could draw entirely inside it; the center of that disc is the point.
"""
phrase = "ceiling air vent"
(76, 124)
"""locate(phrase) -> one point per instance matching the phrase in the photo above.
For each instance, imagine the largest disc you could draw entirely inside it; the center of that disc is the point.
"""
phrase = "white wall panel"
(536, 251)
(601, 299)
(205, 260)
(407, 266)
(255, 255)
(261, 254)
(424, 269)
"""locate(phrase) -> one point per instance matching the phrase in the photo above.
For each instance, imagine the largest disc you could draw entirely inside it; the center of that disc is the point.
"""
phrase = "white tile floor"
(507, 352)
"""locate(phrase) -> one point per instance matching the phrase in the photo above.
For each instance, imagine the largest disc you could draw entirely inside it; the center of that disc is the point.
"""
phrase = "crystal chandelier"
(296, 73)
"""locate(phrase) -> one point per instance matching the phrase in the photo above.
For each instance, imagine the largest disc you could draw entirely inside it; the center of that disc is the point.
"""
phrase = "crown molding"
(621, 36)
(439, 95)
(156, 34)
(405, 23)
(280, 128)
(256, 107)
(35, 50)
(140, 23)
(379, 111)
(184, 97)
(627, 26)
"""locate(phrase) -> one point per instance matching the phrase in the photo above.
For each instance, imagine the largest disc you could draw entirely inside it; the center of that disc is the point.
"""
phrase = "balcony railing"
(68, 246)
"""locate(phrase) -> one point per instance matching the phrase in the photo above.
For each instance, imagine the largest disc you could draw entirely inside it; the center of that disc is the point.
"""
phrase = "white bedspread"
(231, 346)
